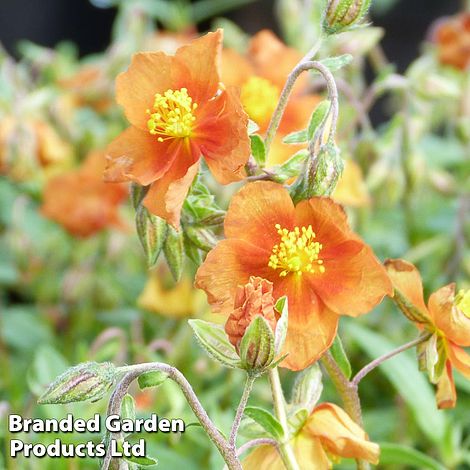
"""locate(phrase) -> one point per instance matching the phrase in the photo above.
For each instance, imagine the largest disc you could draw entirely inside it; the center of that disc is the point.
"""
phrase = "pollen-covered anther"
(259, 98)
(172, 115)
(297, 252)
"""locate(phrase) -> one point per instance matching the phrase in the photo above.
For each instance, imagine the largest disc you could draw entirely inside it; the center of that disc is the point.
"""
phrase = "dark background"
(47, 22)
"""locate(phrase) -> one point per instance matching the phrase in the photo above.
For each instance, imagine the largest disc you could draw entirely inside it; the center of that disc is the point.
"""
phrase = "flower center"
(259, 98)
(462, 302)
(172, 115)
(297, 252)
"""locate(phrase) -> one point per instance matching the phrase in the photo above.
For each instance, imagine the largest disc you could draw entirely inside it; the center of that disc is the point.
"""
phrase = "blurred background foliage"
(65, 299)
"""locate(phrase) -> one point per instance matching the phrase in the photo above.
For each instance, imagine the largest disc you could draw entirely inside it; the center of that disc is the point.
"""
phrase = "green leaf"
(266, 420)
(128, 407)
(151, 379)
(339, 354)
(258, 149)
(281, 326)
(214, 340)
(318, 117)
(404, 375)
(143, 461)
(291, 167)
(338, 62)
(307, 388)
(397, 454)
(298, 137)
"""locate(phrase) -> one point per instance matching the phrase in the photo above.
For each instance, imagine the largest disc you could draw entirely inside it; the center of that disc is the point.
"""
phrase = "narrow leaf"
(298, 137)
(266, 420)
(258, 149)
(397, 454)
(318, 117)
(338, 62)
(151, 379)
(128, 407)
(339, 354)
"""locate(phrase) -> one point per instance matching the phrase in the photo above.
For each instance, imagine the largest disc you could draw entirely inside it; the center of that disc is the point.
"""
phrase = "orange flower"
(178, 112)
(253, 299)
(81, 201)
(261, 75)
(452, 36)
(308, 252)
(328, 434)
(446, 317)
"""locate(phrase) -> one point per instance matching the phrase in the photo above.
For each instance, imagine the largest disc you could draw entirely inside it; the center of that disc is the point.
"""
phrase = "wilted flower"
(81, 201)
(452, 36)
(261, 75)
(446, 318)
(310, 255)
(251, 300)
(178, 112)
(327, 435)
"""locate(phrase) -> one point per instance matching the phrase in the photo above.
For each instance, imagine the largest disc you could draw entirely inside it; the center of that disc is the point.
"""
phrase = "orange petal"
(447, 317)
(166, 196)
(263, 458)
(312, 326)
(273, 59)
(138, 156)
(148, 74)
(406, 279)
(353, 283)
(254, 212)
(446, 395)
(236, 69)
(340, 435)
(202, 60)
(460, 359)
(279, 152)
(228, 265)
(223, 137)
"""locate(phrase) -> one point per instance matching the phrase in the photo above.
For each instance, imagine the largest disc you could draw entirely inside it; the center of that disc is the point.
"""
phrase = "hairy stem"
(285, 449)
(240, 410)
(262, 441)
(228, 452)
(376, 362)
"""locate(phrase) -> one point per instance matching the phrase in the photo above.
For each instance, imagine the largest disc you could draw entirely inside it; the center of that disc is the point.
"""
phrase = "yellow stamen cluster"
(297, 252)
(172, 115)
(462, 301)
(259, 98)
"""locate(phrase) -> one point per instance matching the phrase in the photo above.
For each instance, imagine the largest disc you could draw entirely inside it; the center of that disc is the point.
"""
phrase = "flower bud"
(342, 14)
(251, 300)
(86, 381)
(174, 252)
(152, 232)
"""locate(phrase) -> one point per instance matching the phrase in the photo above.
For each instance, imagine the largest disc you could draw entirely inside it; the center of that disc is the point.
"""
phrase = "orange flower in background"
(446, 317)
(351, 189)
(452, 36)
(251, 300)
(308, 252)
(177, 113)
(81, 201)
(328, 435)
(261, 75)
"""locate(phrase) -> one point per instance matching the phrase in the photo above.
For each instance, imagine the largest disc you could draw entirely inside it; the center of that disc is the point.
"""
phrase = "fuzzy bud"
(251, 300)
(343, 14)
(86, 381)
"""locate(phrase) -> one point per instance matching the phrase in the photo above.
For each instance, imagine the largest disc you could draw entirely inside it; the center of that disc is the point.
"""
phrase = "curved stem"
(240, 410)
(375, 363)
(285, 449)
(133, 372)
(262, 441)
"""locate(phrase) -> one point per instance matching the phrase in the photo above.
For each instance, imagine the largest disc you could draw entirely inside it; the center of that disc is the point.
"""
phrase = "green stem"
(250, 380)
(285, 449)
(349, 394)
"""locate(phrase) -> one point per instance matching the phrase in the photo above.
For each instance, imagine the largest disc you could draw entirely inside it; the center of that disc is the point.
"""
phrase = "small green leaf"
(281, 326)
(397, 454)
(258, 149)
(266, 420)
(298, 137)
(338, 62)
(291, 167)
(128, 407)
(339, 354)
(318, 117)
(143, 461)
(307, 388)
(151, 379)
(214, 340)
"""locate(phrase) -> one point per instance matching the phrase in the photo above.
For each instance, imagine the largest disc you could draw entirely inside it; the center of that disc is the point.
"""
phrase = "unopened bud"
(251, 300)
(174, 252)
(86, 381)
(343, 14)
(152, 232)
(202, 238)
